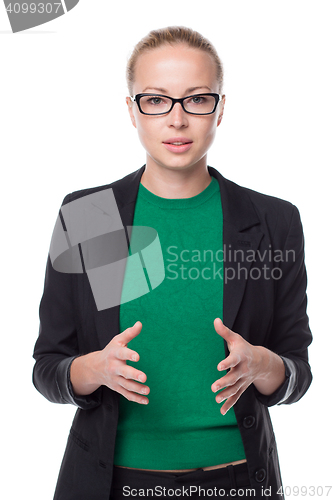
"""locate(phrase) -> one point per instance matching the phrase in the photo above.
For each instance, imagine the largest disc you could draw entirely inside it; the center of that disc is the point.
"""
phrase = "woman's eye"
(155, 100)
(198, 100)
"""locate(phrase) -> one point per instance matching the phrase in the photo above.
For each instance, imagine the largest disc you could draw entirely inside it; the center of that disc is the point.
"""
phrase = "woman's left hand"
(248, 364)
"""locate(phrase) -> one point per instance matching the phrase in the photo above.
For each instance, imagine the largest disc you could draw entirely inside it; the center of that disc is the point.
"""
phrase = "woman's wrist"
(84, 374)
(272, 373)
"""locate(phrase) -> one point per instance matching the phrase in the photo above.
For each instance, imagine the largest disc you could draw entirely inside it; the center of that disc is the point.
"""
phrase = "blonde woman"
(224, 321)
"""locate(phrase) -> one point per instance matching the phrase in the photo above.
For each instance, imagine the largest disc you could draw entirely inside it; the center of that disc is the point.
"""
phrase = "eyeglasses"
(157, 104)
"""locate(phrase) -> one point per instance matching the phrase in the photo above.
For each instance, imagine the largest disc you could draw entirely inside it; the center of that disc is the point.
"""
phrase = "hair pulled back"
(172, 35)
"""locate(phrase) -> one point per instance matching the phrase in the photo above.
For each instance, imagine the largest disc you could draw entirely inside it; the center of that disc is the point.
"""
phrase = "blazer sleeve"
(57, 343)
(290, 335)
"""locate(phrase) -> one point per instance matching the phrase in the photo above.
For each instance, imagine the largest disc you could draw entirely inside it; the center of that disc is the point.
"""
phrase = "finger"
(228, 380)
(230, 361)
(124, 353)
(127, 335)
(132, 386)
(131, 373)
(231, 401)
(231, 391)
(132, 396)
(224, 331)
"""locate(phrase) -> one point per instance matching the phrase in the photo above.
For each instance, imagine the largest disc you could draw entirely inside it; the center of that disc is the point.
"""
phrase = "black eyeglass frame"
(137, 97)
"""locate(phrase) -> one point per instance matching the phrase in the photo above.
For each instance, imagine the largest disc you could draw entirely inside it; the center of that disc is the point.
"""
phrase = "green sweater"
(179, 349)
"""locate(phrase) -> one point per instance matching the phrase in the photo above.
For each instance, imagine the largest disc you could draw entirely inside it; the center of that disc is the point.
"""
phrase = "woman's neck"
(169, 183)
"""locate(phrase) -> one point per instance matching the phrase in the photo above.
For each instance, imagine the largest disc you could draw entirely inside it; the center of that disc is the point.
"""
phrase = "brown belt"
(211, 467)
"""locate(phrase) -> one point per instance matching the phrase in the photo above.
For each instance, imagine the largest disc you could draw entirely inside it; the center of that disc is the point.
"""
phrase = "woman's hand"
(248, 364)
(108, 367)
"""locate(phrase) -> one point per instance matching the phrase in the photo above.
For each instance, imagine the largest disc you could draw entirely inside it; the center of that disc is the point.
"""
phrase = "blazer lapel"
(125, 191)
(239, 237)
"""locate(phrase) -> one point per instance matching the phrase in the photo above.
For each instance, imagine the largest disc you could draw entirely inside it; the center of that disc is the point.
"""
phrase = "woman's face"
(176, 71)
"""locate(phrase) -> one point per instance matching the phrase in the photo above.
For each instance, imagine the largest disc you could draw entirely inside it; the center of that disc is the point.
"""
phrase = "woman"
(205, 303)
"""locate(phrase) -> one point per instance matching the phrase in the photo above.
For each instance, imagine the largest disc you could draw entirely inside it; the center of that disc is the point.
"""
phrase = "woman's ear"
(130, 110)
(221, 109)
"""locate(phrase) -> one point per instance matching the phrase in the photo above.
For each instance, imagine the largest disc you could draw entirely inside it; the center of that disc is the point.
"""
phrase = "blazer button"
(248, 422)
(260, 475)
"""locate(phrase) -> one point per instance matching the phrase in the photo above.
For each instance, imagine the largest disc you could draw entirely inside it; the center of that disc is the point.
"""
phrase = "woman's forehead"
(170, 67)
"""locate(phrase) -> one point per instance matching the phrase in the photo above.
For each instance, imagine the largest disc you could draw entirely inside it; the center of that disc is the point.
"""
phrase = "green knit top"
(179, 349)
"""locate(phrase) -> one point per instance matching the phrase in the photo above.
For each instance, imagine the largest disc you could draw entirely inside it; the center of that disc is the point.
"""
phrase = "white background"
(65, 126)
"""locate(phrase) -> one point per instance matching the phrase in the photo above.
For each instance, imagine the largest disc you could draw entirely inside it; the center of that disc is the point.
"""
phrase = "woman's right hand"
(108, 367)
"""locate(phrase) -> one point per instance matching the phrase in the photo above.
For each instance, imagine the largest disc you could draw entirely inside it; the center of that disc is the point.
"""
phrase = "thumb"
(127, 335)
(227, 334)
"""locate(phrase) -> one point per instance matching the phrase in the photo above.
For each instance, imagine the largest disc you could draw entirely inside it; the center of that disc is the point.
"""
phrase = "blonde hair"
(172, 35)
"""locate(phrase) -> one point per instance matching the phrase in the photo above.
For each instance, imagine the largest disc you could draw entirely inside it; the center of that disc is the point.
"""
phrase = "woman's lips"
(178, 144)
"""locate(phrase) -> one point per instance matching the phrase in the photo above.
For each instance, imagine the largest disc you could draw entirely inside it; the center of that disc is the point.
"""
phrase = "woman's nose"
(177, 116)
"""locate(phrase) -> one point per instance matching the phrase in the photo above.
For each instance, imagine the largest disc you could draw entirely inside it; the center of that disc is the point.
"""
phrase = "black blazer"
(267, 309)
